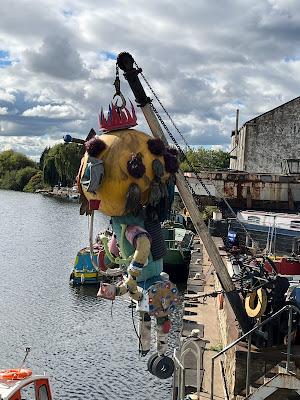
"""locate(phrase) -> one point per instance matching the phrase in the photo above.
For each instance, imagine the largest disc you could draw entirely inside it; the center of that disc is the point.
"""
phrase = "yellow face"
(120, 145)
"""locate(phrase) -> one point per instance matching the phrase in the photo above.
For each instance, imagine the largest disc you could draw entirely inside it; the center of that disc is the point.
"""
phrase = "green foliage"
(207, 213)
(205, 159)
(15, 170)
(58, 164)
(8, 180)
(61, 164)
(35, 183)
(24, 175)
(218, 347)
(50, 174)
(42, 158)
(11, 160)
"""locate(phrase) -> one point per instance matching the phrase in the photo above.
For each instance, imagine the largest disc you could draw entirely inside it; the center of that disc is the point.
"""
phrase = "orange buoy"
(14, 374)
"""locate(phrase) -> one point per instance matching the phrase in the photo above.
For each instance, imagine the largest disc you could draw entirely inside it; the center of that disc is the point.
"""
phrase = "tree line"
(58, 165)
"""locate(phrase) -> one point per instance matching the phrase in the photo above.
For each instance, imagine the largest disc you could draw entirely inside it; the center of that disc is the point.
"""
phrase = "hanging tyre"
(256, 303)
(163, 367)
(150, 362)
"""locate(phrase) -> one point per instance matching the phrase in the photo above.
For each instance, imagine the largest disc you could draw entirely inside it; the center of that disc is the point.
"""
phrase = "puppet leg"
(163, 326)
(144, 331)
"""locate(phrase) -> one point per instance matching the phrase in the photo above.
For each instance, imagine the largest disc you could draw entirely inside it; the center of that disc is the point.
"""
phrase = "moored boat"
(263, 221)
(84, 272)
(179, 245)
(74, 195)
(19, 384)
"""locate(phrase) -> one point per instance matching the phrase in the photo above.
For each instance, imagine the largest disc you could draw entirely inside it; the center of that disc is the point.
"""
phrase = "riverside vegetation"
(59, 165)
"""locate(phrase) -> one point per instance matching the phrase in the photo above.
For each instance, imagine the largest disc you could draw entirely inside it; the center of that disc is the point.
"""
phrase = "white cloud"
(49, 111)
(7, 128)
(3, 110)
(32, 146)
(5, 95)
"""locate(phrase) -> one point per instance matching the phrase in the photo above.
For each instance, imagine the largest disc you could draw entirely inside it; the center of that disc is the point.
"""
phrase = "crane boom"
(126, 62)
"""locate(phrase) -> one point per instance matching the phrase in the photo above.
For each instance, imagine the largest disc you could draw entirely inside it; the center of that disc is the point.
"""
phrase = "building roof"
(273, 109)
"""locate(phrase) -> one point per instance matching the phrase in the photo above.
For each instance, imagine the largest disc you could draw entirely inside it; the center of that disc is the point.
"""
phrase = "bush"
(8, 181)
(35, 183)
(24, 175)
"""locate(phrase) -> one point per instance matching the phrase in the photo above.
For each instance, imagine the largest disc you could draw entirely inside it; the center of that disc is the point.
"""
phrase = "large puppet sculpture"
(129, 176)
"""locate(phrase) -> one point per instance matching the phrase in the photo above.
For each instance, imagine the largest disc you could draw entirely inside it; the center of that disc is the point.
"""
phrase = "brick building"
(269, 143)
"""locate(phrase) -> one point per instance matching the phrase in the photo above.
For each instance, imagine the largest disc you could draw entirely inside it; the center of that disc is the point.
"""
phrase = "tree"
(11, 160)
(205, 159)
(8, 180)
(35, 183)
(61, 164)
(42, 158)
(16, 169)
(24, 175)
(50, 174)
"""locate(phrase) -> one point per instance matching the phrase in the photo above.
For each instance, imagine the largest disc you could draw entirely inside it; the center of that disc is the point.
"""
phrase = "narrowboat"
(84, 272)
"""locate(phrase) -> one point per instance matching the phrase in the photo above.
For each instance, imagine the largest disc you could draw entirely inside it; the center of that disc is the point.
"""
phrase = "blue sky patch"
(68, 12)
(5, 61)
(291, 58)
(108, 55)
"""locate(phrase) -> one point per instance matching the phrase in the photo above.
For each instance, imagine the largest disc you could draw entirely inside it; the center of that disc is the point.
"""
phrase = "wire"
(111, 309)
(135, 330)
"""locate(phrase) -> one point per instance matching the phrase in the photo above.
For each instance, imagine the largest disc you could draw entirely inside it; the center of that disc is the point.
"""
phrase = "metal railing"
(248, 336)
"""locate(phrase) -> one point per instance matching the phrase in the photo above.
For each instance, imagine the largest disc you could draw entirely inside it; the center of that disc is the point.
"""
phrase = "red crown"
(117, 119)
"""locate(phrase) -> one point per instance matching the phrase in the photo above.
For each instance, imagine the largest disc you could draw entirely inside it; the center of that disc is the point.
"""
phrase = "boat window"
(295, 224)
(253, 219)
(43, 393)
(28, 392)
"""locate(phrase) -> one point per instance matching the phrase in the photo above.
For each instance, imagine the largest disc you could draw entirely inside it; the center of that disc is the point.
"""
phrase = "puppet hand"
(128, 285)
(131, 284)
(135, 268)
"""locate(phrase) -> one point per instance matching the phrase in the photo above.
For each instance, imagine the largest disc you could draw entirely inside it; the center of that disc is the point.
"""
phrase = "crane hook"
(119, 94)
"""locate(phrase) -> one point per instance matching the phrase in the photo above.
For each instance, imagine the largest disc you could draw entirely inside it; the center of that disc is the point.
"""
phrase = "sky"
(204, 59)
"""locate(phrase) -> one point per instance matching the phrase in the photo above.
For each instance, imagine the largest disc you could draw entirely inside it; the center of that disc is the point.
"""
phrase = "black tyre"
(163, 367)
(150, 362)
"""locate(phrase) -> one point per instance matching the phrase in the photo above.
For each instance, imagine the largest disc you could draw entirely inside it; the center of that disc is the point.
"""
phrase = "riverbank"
(66, 193)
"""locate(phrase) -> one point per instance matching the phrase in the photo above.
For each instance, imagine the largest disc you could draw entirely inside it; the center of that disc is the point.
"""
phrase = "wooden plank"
(195, 288)
(195, 282)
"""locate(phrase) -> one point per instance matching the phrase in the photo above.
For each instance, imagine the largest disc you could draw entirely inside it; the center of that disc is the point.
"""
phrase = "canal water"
(86, 346)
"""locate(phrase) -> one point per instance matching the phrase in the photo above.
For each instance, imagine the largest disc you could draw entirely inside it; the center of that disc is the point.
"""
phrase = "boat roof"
(271, 214)
(9, 387)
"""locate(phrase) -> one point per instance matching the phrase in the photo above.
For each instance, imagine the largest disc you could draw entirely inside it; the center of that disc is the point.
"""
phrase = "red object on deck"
(285, 266)
(288, 266)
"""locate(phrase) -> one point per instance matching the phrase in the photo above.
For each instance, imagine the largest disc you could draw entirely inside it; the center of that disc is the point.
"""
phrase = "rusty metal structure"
(250, 190)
